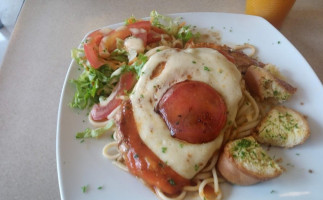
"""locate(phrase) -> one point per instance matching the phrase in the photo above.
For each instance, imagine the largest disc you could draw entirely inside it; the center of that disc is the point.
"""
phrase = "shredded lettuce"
(78, 55)
(173, 26)
(92, 83)
(137, 66)
(119, 55)
(185, 33)
(169, 24)
(94, 133)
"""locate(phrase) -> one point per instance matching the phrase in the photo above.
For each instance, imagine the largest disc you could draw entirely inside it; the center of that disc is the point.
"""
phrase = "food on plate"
(240, 59)
(264, 84)
(283, 127)
(244, 162)
(174, 103)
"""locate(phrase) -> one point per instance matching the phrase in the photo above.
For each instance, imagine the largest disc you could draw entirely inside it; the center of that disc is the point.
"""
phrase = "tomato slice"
(109, 42)
(158, 30)
(140, 30)
(141, 24)
(193, 111)
(126, 83)
(91, 49)
(154, 35)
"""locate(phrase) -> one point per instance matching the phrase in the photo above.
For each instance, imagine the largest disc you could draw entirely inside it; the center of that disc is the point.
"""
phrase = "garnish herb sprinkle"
(158, 50)
(273, 191)
(181, 145)
(278, 42)
(100, 187)
(85, 188)
(297, 154)
(164, 149)
(206, 68)
(196, 167)
(82, 141)
(172, 182)
(141, 96)
(135, 156)
(194, 62)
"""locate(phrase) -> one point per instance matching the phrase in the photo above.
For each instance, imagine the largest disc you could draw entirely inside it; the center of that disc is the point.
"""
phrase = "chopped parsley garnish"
(158, 50)
(141, 96)
(181, 145)
(278, 42)
(172, 182)
(196, 167)
(100, 187)
(194, 62)
(244, 143)
(82, 141)
(273, 191)
(206, 68)
(297, 154)
(135, 156)
(164, 149)
(85, 188)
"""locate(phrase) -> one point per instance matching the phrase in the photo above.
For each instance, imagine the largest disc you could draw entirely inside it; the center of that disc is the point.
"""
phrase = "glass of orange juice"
(274, 11)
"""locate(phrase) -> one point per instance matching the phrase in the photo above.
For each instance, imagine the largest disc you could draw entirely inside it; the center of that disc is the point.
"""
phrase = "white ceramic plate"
(81, 164)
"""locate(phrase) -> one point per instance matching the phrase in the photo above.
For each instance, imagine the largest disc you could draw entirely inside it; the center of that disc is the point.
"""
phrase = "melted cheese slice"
(200, 64)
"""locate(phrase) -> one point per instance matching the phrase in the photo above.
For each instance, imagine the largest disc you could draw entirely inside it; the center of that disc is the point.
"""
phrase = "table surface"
(37, 59)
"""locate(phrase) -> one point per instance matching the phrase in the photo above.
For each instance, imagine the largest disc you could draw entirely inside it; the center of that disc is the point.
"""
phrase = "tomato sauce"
(141, 161)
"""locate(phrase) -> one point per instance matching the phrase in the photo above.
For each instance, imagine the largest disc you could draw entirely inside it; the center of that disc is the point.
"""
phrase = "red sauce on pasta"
(141, 161)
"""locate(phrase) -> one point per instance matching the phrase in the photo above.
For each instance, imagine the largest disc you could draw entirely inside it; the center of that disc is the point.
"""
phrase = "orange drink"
(274, 11)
